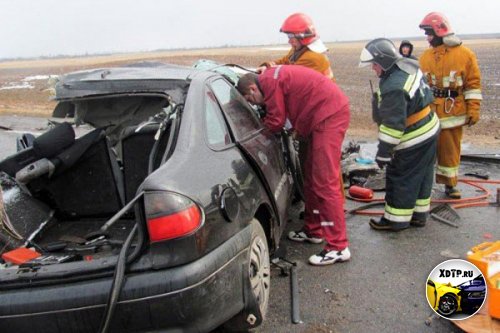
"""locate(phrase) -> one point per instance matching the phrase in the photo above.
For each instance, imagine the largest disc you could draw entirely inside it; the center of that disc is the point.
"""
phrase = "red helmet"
(300, 26)
(438, 23)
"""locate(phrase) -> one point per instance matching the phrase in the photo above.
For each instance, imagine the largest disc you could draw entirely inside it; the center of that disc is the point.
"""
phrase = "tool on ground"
(446, 214)
(362, 208)
(294, 281)
(478, 174)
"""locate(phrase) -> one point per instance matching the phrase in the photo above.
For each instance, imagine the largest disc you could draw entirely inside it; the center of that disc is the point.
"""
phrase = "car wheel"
(259, 268)
(258, 282)
(447, 305)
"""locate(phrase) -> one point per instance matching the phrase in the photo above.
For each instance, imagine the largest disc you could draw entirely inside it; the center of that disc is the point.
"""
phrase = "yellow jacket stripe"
(420, 134)
(389, 135)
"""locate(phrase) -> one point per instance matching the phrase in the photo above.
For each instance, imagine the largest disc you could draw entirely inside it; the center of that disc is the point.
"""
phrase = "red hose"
(475, 201)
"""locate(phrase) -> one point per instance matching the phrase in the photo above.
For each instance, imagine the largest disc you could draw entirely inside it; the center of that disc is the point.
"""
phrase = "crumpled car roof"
(146, 77)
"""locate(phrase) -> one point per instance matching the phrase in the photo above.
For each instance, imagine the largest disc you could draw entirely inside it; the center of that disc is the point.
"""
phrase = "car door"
(260, 146)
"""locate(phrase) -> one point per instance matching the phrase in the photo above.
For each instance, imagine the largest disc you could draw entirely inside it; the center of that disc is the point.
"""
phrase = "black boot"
(384, 224)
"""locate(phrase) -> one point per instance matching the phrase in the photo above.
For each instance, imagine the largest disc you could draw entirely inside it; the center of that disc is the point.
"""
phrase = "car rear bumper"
(195, 297)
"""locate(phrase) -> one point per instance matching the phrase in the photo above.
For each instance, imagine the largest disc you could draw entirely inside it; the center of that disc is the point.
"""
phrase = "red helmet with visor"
(300, 26)
(438, 23)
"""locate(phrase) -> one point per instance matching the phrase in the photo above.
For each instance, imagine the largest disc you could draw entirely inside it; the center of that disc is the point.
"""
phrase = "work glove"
(473, 117)
(382, 162)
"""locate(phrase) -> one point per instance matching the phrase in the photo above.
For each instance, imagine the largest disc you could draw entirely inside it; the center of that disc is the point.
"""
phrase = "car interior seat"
(136, 148)
(46, 145)
(86, 181)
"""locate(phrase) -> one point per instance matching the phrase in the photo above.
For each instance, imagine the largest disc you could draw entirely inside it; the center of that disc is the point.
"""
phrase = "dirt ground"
(344, 57)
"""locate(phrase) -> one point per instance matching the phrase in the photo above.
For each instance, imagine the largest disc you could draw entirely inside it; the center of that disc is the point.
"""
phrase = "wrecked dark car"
(160, 217)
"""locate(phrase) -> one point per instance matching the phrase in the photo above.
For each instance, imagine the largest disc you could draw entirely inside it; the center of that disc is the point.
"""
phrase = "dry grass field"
(344, 57)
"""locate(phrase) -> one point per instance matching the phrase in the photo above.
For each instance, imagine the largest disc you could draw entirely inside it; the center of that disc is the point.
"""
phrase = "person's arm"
(275, 106)
(392, 113)
(281, 61)
(472, 90)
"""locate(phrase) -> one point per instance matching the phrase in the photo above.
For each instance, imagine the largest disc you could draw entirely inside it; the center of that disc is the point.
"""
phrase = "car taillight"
(170, 215)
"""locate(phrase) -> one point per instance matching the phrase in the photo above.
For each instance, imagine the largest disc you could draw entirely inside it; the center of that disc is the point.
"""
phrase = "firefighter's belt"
(416, 117)
(443, 93)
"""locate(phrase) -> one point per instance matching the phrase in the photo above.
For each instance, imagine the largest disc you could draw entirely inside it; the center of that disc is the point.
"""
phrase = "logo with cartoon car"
(465, 297)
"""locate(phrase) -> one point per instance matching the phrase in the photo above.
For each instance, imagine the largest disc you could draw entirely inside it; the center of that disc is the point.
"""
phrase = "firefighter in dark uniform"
(408, 131)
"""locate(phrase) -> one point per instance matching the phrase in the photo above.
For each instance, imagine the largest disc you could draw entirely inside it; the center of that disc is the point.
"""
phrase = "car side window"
(242, 118)
(217, 133)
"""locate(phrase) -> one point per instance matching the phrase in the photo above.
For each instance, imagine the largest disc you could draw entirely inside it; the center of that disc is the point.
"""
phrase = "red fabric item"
(319, 111)
(324, 202)
(303, 95)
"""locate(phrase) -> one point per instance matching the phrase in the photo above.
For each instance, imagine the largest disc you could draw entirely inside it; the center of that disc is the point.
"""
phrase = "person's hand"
(382, 162)
(261, 69)
(473, 118)
(265, 66)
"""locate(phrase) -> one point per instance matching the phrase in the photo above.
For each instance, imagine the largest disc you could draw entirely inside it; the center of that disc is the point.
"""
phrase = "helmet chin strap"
(436, 41)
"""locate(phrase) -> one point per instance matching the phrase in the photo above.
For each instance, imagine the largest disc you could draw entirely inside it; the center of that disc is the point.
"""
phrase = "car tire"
(258, 269)
(448, 304)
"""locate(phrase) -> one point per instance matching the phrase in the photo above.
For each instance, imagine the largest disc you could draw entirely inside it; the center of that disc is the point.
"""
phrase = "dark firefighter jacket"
(402, 113)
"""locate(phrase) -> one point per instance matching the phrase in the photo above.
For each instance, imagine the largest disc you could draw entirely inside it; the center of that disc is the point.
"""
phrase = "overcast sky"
(31, 28)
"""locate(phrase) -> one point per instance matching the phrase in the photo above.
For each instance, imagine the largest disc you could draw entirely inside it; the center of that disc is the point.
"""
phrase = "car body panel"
(178, 284)
(146, 301)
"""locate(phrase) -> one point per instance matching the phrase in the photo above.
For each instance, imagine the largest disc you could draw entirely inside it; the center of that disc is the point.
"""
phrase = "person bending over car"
(319, 111)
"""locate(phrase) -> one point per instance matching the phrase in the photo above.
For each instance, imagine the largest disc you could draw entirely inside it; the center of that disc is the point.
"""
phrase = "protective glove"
(473, 117)
(382, 162)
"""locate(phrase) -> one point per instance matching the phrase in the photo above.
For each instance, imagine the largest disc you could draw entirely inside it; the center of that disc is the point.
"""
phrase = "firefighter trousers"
(448, 156)
(409, 179)
(324, 200)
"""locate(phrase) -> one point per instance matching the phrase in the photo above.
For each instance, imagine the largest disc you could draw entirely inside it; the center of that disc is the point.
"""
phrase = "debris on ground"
(449, 254)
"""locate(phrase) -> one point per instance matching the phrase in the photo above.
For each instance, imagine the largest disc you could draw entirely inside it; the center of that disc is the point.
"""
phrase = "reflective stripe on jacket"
(456, 69)
(400, 96)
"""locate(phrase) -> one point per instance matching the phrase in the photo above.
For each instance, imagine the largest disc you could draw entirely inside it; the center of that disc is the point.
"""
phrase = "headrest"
(54, 141)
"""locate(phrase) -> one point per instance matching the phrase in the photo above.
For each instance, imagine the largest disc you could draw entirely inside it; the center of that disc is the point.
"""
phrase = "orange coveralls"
(307, 58)
(452, 71)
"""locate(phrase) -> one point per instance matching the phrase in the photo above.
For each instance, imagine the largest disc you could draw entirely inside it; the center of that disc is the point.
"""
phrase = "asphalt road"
(382, 287)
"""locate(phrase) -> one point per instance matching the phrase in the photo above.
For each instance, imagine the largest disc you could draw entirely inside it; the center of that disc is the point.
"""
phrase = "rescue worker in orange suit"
(319, 111)
(453, 74)
(408, 131)
(307, 48)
